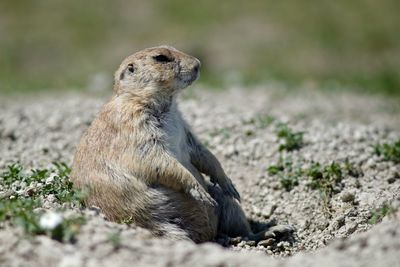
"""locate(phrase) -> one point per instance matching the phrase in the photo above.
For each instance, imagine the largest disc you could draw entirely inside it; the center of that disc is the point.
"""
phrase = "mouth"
(189, 77)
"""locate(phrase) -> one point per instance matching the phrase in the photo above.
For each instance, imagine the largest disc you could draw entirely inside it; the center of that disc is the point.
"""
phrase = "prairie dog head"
(158, 70)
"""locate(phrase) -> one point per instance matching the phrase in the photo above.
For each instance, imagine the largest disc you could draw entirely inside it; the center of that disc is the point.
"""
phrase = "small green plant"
(378, 214)
(37, 175)
(289, 140)
(221, 131)
(61, 187)
(128, 220)
(12, 174)
(265, 121)
(282, 165)
(289, 181)
(19, 210)
(325, 178)
(351, 170)
(287, 173)
(115, 239)
(390, 152)
(275, 169)
(261, 121)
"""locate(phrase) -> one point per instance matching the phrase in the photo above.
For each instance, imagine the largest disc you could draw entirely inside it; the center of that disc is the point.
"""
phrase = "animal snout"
(197, 65)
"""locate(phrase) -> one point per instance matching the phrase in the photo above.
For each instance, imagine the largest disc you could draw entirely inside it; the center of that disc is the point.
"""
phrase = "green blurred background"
(60, 44)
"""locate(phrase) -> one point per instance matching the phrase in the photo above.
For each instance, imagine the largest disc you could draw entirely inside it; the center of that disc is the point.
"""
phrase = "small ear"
(129, 69)
(122, 75)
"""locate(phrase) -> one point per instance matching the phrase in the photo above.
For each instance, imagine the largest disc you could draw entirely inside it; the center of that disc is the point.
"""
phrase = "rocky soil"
(338, 222)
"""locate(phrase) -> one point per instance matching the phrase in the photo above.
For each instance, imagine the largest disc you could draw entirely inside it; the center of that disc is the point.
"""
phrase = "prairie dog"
(140, 160)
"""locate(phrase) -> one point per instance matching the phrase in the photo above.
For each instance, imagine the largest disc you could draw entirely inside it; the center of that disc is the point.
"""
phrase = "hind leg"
(233, 221)
(178, 216)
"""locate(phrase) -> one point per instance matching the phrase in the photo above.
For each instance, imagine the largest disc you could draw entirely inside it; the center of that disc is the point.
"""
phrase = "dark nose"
(197, 66)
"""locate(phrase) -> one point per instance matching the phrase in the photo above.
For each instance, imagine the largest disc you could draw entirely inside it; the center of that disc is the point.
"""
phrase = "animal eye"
(130, 68)
(162, 58)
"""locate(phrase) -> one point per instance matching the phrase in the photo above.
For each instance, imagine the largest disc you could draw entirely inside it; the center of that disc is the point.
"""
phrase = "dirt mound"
(325, 163)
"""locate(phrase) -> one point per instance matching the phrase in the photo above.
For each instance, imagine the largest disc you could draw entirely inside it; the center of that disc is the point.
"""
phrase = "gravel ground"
(240, 127)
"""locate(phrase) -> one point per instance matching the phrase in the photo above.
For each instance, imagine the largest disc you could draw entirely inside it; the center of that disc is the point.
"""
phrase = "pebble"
(267, 242)
(6, 194)
(347, 196)
(50, 220)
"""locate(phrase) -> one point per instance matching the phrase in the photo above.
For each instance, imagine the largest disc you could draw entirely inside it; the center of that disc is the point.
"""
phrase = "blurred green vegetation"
(59, 44)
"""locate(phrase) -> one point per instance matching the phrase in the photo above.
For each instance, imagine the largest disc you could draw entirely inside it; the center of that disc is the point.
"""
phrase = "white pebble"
(50, 220)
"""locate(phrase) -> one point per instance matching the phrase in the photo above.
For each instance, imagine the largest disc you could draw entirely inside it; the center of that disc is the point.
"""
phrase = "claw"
(275, 234)
(279, 230)
(230, 190)
(203, 196)
(269, 234)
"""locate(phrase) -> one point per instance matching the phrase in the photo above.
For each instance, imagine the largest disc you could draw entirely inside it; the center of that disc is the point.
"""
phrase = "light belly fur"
(176, 138)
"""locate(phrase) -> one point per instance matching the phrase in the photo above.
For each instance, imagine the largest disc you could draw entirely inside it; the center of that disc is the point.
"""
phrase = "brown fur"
(139, 159)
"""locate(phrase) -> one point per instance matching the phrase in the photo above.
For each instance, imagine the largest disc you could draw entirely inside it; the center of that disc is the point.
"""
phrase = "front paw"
(200, 194)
